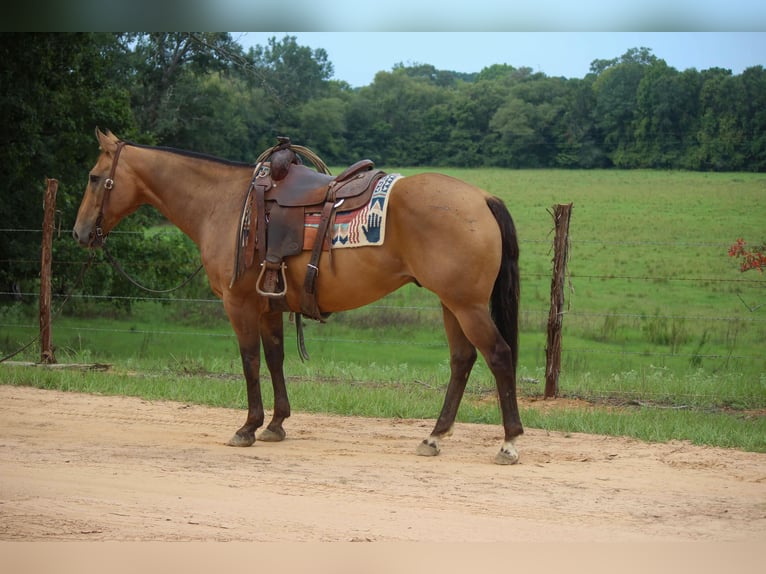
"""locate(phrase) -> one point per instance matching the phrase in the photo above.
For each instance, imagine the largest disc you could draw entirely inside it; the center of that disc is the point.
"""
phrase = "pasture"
(663, 334)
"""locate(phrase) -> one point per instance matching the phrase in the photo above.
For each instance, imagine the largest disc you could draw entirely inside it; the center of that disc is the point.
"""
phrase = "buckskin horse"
(442, 234)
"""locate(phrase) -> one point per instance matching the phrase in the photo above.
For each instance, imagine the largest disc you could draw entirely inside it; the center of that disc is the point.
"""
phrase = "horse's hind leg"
(272, 338)
(479, 328)
(462, 359)
(496, 351)
(500, 361)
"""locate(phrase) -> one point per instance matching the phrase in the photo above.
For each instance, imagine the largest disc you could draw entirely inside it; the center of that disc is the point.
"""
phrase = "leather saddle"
(283, 191)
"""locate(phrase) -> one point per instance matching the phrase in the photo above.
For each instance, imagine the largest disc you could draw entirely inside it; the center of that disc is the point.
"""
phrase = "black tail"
(505, 294)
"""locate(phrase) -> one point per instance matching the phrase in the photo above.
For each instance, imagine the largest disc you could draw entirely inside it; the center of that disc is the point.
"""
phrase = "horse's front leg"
(272, 336)
(245, 322)
(251, 362)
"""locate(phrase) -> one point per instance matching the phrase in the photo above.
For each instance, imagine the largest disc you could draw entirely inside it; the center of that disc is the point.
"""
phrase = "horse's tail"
(504, 302)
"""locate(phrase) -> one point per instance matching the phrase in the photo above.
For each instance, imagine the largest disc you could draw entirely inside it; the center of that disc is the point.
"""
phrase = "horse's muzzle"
(89, 240)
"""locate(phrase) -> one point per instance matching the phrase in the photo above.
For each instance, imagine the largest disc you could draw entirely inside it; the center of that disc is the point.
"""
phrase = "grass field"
(660, 330)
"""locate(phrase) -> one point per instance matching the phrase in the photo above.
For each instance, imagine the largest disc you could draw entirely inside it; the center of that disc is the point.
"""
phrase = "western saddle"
(282, 192)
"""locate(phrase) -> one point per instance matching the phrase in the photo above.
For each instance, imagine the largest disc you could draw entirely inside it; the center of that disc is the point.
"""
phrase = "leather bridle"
(98, 232)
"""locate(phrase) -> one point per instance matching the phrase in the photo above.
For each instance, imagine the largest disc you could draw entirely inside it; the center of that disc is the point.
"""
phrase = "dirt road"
(92, 468)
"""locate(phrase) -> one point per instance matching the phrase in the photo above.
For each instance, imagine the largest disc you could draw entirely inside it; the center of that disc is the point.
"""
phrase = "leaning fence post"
(561, 215)
(49, 204)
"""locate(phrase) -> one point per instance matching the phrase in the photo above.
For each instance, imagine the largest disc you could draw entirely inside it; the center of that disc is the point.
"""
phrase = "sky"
(389, 16)
(358, 56)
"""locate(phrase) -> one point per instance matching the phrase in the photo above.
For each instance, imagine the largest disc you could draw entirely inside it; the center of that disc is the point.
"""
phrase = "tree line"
(204, 92)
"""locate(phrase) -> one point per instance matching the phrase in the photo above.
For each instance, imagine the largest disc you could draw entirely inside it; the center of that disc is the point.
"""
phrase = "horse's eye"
(94, 178)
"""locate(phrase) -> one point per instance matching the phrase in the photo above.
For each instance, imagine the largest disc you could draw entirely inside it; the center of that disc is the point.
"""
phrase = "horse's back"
(439, 207)
(441, 188)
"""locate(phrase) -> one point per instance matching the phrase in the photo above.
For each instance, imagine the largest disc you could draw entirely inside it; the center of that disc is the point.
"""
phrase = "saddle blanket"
(362, 227)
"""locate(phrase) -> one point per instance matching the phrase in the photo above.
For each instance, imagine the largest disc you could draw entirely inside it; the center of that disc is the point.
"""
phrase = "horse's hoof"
(239, 440)
(507, 455)
(429, 447)
(268, 435)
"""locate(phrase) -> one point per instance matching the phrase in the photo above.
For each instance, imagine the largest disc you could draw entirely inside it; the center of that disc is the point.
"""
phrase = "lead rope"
(120, 270)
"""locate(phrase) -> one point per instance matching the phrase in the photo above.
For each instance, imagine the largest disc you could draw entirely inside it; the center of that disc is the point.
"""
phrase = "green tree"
(323, 122)
(218, 115)
(530, 122)
(400, 119)
(579, 144)
(667, 116)
(293, 74)
(616, 94)
(753, 87)
(54, 89)
(294, 81)
(168, 70)
(430, 74)
(721, 140)
(471, 142)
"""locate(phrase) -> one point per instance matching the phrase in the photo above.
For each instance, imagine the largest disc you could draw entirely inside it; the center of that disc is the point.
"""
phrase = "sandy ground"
(77, 467)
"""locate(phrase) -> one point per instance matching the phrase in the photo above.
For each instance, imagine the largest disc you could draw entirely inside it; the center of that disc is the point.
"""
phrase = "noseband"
(98, 233)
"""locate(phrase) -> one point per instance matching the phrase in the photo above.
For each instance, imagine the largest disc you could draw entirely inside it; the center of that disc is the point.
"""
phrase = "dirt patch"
(84, 467)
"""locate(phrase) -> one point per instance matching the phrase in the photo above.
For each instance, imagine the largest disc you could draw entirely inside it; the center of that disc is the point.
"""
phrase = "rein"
(99, 233)
(130, 279)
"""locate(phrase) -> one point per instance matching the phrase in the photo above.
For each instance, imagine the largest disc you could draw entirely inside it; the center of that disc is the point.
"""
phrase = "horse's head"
(109, 196)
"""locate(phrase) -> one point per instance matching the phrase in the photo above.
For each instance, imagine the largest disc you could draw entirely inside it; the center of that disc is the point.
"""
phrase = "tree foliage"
(53, 89)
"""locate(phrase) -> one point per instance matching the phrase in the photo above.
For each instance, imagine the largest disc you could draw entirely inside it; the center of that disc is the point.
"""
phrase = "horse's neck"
(200, 197)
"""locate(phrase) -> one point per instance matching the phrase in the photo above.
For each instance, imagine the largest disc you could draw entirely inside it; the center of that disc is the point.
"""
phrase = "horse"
(442, 234)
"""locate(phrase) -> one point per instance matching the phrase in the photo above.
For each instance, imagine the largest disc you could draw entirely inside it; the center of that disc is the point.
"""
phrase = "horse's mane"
(192, 154)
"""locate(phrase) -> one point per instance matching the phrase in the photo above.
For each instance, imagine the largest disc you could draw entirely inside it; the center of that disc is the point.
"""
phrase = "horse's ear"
(107, 141)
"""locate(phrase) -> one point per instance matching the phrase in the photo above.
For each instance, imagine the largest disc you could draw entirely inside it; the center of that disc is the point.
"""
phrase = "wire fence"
(577, 322)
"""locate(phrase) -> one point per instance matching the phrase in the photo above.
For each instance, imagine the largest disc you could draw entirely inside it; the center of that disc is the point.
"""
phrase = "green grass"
(655, 318)
(727, 430)
(730, 429)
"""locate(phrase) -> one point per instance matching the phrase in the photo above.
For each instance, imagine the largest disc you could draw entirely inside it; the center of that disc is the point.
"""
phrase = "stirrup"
(279, 271)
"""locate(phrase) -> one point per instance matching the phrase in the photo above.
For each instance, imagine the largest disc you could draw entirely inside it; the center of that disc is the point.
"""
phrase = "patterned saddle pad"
(362, 227)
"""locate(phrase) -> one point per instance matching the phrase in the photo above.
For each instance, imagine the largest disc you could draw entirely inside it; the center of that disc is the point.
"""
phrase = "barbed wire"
(724, 244)
(394, 342)
(436, 308)
(384, 307)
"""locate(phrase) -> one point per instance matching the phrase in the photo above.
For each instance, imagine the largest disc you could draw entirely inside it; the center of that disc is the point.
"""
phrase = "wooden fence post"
(561, 215)
(49, 204)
